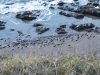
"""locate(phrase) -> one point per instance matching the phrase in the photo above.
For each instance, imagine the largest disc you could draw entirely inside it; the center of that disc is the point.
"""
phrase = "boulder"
(27, 15)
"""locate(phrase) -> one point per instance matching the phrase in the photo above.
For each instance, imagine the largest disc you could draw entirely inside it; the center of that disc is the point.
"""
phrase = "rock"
(68, 14)
(37, 24)
(89, 30)
(75, 0)
(11, 29)
(60, 31)
(95, 4)
(88, 9)
(62, 26)
(50, 0)
(19, 32)
(65, 14)
(93, 1)
(78, 16)
(81, 27)
(10, 3)
(69, 8)
(62, 13)
(14, 43)
(41, 29)
(27, 15)
(73, 26)
(51, 7)
(2, 25)
(97, 29)
(61, 3)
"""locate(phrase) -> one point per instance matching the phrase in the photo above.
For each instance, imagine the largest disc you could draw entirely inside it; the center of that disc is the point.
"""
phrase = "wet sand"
(56, 46)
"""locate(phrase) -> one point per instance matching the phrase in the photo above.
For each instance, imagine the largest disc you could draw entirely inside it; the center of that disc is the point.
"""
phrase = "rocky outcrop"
(90, 9)
(28, 15)
(2, 25)
(69, 14)
(81, 27)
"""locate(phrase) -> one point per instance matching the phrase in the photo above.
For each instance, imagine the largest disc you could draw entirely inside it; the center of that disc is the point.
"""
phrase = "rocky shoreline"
(86, 39)
(55, 46)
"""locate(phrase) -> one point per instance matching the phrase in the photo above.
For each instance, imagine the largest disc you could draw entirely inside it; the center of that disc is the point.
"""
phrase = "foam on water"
(31, 5)
(23, 5)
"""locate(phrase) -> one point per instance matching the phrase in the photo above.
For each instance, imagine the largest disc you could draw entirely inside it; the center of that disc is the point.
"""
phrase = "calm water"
(49, 18)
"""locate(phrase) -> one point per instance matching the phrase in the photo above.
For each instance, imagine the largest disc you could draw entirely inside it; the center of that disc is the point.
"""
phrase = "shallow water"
(49, 18)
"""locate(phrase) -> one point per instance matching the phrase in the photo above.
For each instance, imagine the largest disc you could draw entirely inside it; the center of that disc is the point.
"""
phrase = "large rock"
(28, 15)
(81, 27)
(89, 9)
(2, 25)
